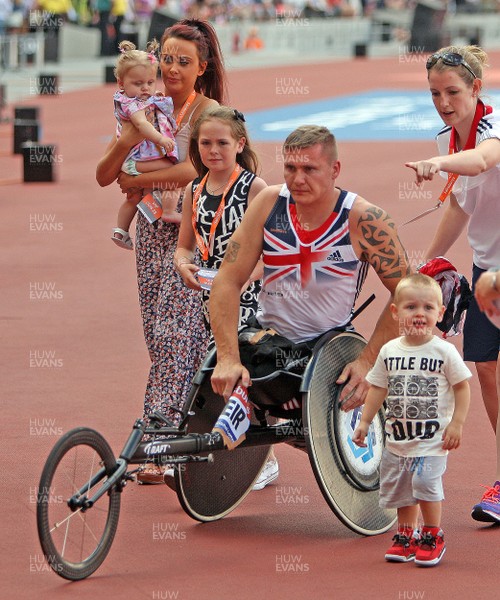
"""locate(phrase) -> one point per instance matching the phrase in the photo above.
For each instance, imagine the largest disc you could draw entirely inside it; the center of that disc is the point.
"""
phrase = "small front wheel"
(76, 539)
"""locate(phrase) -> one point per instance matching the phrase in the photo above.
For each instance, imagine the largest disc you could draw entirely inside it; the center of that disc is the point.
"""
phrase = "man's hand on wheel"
(356, 386)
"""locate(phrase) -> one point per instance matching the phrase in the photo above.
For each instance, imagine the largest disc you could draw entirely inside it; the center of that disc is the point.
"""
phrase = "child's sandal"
(125, 241)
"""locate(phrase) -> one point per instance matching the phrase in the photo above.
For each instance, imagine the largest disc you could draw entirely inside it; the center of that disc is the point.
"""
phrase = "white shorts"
(404, 480)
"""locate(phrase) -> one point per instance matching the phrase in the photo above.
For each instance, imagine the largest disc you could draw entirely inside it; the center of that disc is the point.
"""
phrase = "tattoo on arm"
(231, 252)
(381, 245)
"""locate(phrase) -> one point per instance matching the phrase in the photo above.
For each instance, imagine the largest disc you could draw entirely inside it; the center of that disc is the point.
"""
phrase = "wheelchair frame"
(188, 450)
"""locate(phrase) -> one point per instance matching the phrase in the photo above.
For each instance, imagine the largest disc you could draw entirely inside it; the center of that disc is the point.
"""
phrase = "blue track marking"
(380, 115)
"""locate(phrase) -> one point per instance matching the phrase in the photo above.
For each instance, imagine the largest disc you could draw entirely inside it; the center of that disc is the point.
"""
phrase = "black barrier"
(386, 34)
(38, 162)
(26, 113)
(3, 99)
(51, 42)
(159, 22)
(48, 84)
(427, 29)
(24, 131)
(360, 50)
(475, 37)
(133, 37)
(109, 74)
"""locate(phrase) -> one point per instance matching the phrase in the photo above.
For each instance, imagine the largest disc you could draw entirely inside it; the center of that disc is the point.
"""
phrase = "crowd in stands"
(18, 14)
(118, 19)
(262, 10)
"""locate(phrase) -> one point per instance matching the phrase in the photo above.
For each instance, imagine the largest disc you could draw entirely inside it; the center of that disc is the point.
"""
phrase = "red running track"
(57, 236)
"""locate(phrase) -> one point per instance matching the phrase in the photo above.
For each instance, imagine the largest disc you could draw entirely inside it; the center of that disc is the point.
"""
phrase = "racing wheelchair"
(81, 471)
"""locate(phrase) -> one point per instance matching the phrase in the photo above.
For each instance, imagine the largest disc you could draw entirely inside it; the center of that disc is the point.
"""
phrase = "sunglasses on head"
(452, 59)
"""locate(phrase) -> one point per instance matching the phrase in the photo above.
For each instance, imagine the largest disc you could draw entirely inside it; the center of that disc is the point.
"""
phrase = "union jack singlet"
(308, 288)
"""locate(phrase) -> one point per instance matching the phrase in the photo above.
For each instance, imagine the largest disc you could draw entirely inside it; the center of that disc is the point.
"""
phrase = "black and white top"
(236, 204)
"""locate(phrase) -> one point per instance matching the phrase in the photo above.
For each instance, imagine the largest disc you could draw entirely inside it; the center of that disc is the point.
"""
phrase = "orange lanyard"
(204, 248)
(184, 109)
(452, 177)
(481, 110)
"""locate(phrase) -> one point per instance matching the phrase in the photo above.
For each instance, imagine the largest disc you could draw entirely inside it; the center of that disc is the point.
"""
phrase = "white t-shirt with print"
(420, 400)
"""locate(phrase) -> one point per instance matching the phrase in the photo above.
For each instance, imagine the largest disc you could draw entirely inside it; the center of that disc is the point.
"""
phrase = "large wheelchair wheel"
(75, 542)
(210, 491)
(348, 476)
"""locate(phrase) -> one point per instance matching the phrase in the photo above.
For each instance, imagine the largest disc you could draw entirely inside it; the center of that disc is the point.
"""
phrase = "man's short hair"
(306, 136)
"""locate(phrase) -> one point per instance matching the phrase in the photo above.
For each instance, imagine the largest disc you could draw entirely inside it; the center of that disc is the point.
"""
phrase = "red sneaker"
(404, 547)
(431, 547)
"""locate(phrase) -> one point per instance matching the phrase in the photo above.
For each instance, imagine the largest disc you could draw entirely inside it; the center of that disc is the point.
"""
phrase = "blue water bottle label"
(234, 420)
(206, 277)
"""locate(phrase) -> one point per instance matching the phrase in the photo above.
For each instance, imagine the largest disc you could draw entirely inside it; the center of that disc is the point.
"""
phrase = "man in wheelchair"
(316, 241)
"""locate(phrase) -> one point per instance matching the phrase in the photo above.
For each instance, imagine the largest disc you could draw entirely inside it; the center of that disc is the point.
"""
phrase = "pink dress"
(159, 111)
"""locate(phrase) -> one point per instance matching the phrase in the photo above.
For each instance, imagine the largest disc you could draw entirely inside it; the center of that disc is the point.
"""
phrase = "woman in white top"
(469, 147)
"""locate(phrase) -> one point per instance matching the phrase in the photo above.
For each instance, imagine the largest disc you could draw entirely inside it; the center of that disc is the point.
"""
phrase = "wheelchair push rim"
(76, 542)
(352, 492)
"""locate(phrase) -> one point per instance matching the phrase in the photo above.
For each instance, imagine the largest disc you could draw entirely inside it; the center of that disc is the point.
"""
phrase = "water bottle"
(234, 420)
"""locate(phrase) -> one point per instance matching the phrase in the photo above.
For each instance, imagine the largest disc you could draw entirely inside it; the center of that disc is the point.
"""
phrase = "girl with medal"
(194, 77)
(215, 202)
(214, 205)
(469, 157)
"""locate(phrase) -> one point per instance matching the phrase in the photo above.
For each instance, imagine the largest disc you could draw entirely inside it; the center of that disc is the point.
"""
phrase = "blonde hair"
(247, 158)
(474, 56)
(418, 280)
(130, 57)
